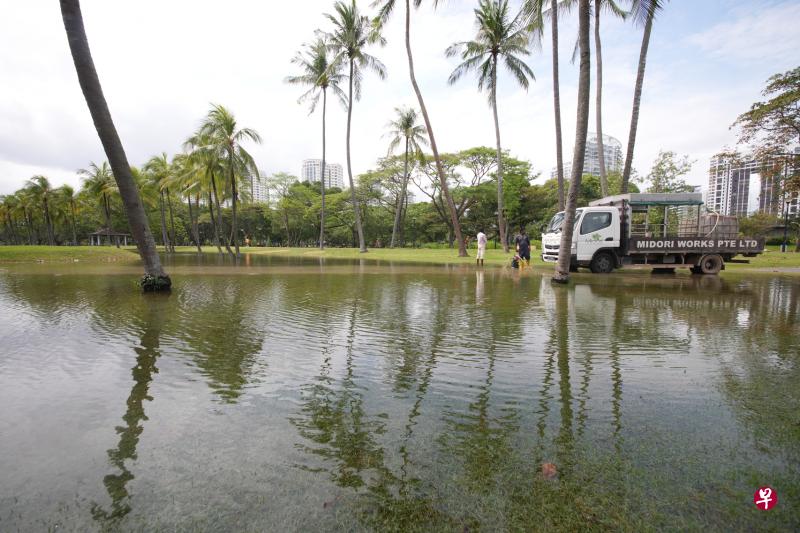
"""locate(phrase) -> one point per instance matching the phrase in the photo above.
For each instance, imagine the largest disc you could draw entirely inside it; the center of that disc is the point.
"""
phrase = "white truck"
(650, 230)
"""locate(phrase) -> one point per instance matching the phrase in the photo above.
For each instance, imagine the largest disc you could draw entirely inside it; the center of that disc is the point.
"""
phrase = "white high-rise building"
(259, 189)
(612, 150)
(312, 170)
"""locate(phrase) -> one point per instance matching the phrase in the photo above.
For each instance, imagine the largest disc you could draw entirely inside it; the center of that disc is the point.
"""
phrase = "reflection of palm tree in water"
(146, 355)
(565, 437)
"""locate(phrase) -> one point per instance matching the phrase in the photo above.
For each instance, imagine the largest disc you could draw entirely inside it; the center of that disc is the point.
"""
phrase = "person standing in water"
(481, 246)
(523, 246)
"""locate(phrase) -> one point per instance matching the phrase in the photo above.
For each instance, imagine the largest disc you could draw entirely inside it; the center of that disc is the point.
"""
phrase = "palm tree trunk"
(561, 274)
(362, 246)
(557, 106)
(451, 206)
(601, 156)
(322, 181)
(234, 197)
(214, 225)
(193, 222)
(48, 222)
(93, 93)
(637, 97)
(400, 200)
(171, 223)
(219, 216)
(501, 219)
(107, 213)
(74, 230)
(164, 236)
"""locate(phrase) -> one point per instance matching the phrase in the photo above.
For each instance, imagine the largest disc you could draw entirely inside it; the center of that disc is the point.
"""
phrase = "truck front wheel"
(710, 264)
(602, 263)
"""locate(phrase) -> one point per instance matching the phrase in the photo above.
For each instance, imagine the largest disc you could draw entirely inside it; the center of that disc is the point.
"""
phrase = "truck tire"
(602, 263)
(710, 264)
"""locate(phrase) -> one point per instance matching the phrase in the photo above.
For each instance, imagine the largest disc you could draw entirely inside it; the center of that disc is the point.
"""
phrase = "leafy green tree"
(319, 73)
(352, 33)
(405, 129)
(499, 38)
(666, 174)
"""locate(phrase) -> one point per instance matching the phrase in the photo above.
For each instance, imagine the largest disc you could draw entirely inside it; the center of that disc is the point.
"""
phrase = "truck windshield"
(558, 219)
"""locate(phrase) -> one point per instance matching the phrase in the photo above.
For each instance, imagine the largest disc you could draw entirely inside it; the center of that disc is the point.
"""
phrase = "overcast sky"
(162, 62)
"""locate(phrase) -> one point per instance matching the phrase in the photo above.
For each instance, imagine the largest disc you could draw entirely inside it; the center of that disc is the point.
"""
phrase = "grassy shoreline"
(770, 261)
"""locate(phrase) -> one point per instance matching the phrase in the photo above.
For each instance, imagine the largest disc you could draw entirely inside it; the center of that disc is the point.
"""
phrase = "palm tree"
(25, 205)
(535, 11)
(405, 128)
(67, 195)
(187, 178)
(209, 166)
(155, 278)
(99, 181)
(320, 74)
(561, 274)
(385, 10)
(351, 34)
(7, 214)
(42, 190)
(614, 9)
(499, 38)
(643, 11)
(224, 137)
(157, 174)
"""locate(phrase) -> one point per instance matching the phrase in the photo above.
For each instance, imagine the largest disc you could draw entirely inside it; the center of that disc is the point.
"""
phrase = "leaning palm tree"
(155, 278)
(535, 11)
(644, 12)
(352, 33)
(319, 73)
(561, 274)
(406, 129)
(499, 38)
(42, 190)
(385, 10)
(224, 137)
(67, 196)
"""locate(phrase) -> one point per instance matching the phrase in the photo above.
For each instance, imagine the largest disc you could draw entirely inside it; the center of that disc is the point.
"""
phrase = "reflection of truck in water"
(660, 231)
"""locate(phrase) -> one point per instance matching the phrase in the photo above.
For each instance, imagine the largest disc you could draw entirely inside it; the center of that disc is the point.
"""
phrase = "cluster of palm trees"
(30, 214)
(503, 39)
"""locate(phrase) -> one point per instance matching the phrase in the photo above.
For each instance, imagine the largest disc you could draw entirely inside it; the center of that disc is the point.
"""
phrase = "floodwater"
(305, 396)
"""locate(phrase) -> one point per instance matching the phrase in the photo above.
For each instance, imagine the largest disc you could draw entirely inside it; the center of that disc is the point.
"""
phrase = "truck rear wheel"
(602, 263)
(710, 264)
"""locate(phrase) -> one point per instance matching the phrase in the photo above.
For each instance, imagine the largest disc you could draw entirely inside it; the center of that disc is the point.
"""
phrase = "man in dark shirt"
(523, 246)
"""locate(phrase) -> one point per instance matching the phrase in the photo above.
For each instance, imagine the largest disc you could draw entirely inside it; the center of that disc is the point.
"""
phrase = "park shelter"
(96, 238)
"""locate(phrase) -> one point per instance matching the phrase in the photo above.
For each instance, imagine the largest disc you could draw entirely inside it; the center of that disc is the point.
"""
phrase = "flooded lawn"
(286, 395)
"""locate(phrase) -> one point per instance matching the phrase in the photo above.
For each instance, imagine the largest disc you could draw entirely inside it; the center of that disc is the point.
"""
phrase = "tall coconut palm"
(157, 174)
(99, 181)
(385, 10)
(6, 213)
(614, 9)
(352, 33)
(155, 278)
(499, 38)
(561, 274)
(187, 178)
(535, 11)
(208, 166)
(644, 12)
(406, 129)
(224, 137)
(42, 190)
(319, 73)
(67, 196)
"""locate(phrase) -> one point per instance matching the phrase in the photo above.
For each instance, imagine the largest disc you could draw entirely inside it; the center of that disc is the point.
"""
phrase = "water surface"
(306, 395)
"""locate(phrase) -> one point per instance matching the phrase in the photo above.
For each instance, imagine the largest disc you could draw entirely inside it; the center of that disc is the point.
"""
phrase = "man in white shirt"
(481, 246)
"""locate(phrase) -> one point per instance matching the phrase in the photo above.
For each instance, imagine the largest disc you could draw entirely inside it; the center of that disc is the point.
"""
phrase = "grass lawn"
(771, 259)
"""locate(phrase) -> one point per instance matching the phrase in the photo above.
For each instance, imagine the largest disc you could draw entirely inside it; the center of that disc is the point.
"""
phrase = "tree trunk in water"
(164, 236)
(557, 106)
(561, 274)
(219, 216)
(322, 181)
(155, 277)
(451, 206)
(501, 219)
(601, 156)
(234, 199)
(214, 226)
(637, 97)
(400, 200)
(172, 240)
(362, 246)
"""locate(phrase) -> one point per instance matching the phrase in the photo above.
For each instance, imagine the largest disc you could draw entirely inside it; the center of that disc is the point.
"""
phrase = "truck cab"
(595, 240)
